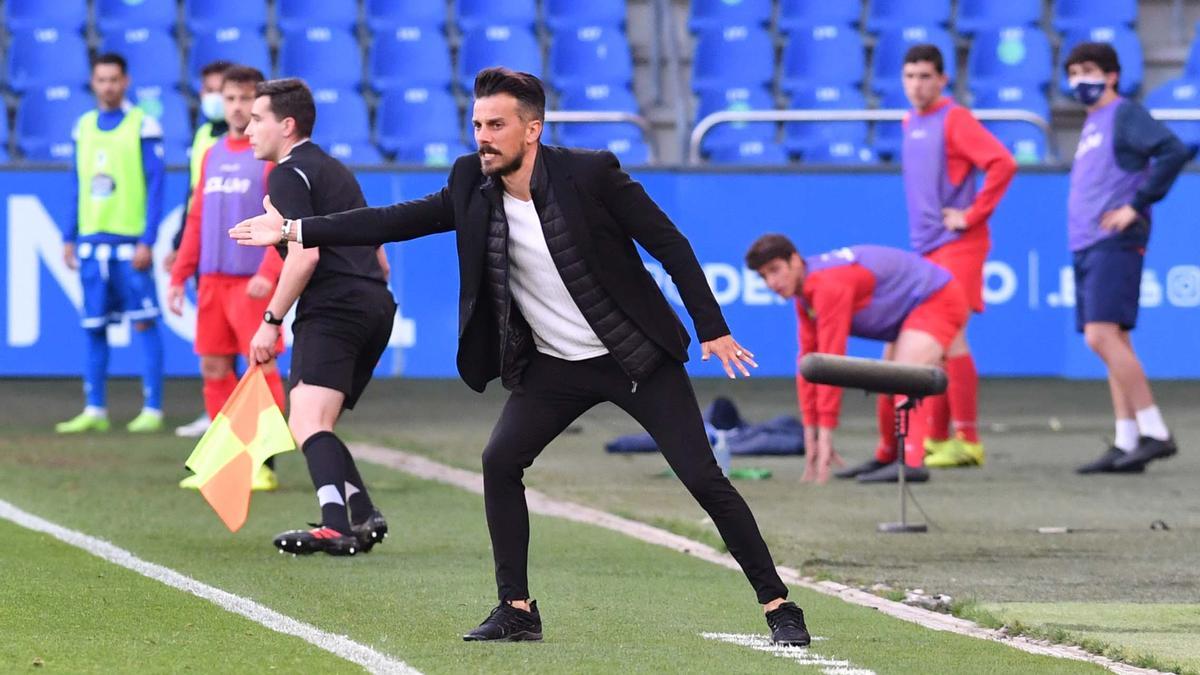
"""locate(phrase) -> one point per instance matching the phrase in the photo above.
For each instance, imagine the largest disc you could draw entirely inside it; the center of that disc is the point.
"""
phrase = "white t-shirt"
(559, 328)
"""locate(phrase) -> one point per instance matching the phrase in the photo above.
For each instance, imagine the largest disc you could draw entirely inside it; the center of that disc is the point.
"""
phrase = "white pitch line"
(801, 655)
(539, 503)
(338, 645)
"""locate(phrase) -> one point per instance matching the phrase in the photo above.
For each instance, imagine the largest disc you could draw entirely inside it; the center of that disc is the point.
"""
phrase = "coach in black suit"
(556, 302)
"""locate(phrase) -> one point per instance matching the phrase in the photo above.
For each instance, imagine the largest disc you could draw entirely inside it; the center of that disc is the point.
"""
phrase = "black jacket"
(606, 211)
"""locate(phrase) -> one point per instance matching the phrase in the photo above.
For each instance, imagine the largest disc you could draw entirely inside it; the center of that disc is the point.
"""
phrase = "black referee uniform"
(344, 315)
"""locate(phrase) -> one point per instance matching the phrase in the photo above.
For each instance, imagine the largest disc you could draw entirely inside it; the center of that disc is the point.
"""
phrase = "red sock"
(914, 442)
(216, 392)
(937, 416)
(964, 396)
(885, 413)
(276, 386)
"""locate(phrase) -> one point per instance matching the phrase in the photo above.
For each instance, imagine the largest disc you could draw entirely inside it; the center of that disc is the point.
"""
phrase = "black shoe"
(1107, 463)
(1148, 450)
(371, 531)
(787, 626)
(509, 624)
(890, 473)
(854, 471)
(320, 538)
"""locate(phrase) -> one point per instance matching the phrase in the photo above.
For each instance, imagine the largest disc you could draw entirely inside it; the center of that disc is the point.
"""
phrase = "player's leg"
(885, 418)
(139, 298)
(93, 276)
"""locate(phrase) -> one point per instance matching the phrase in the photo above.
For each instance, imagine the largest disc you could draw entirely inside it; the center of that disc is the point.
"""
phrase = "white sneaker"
(194, 429)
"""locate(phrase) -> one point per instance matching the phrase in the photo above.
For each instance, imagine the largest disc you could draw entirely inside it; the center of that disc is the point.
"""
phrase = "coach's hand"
(264, 230)
(731, 354)
(262, 345)
(954, 219)
(258, 287)
(175, 300)
(1119, 219)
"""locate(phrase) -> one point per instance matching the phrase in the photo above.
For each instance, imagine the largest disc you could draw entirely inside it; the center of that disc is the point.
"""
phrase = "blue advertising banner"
(1028, 328)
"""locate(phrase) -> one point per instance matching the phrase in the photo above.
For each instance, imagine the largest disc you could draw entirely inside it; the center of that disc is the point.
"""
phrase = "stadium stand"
(152, 54)
(118, 15)
(1179, 94)
(4, 140)
(891, 47)
(343, 126)
(324, 56)
(823, 56)
(883, 15)
(409, 119)
(708, 15)
(597, 97)
(802, 138)
(1076, 15)
(980, 15)
(498, 45)
(756, 153)
(27, 15)
(45, 119)
(45, 57)
(1026, 141)
(206, 16)
(236, 44)
(1014, 55)
(391, 14)
(408, 56)
(473, 15)
(888, 135)
(569, 14)
(732, 134)
(170, 108)
(590, 55)
(733, 56)
(795, 14)
(840, 152)
(296, 15)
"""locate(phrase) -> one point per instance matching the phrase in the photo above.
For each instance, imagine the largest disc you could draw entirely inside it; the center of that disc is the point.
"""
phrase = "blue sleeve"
(71, 226)
(155, 170)
(1139, 139)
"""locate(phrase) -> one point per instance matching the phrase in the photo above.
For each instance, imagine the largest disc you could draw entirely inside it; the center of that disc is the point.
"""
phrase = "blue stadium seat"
(433, 153)
(391, 14)
(323, 56)
(115, 15)
(891, 47)
(589, 55)
(341, 116)
(1191, 68)
(1010, 56)
(296, 15)
(1025, 141)
(477, 14)
(795, 14)
(750, 153)
(735, 55)
(515, 48)
(840, 152)
(45, 120)
(629, 151)
(25, 15)
(1014, 96)
(823, 56)
(977, 15)
(889, 135)
(408, 119)
(708, 15)
(1129, 53)
(893, 14)
(409, 56)
(1180, 93)
(363, 152)
(170, 108)
(45, 57)
(734, 133)
(568, 14)
(206, 16)
(597, 134)
(801, 137)
(4, 156)
(239, 45)
(152, 54)
(1076, 15)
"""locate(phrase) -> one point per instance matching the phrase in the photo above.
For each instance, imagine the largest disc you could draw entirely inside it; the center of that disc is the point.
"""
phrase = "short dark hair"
(767, 248)
(290, 97)
(1100, 53)
(111, 59)
(926, 52)
(243, 75)
(217, 67)
(526, 88)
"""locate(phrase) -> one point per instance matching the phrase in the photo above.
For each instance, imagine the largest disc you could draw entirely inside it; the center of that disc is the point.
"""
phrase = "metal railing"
(880, 115)
(1175, 115)
(609, 116)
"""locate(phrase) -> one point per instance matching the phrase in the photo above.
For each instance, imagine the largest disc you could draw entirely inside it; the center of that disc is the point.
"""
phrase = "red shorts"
(943, 314)
(964, 260)
(227, 318)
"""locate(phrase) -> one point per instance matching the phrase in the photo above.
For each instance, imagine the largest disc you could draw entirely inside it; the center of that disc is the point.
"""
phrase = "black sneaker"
(509, 624)
(787, 626)
(371, 531)
(855, 471)
(890, 473)
(320, 538)
(1107, 463)
(1148, 450)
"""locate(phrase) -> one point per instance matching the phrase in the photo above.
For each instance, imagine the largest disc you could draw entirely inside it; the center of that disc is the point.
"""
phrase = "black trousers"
(553, 394)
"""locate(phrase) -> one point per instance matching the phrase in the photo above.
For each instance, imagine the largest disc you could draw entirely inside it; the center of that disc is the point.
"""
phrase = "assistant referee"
(343, 320)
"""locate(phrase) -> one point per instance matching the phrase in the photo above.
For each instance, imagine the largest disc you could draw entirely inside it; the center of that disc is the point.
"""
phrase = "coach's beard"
(500, 170)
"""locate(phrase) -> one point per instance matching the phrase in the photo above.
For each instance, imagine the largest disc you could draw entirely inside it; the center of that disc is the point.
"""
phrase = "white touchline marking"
(338, 645)
(539, 503)
(801, 655)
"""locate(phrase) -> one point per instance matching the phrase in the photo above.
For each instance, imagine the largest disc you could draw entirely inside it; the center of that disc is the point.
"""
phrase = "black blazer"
(606, 211)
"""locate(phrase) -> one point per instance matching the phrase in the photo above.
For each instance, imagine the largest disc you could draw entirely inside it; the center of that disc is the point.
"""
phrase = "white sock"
(1150, 423)
(328, 494)
(350, 490)
(96, 411)
(1127, 435)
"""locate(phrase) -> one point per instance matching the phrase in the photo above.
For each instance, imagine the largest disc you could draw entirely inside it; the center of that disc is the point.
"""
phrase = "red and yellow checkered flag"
(248, 430)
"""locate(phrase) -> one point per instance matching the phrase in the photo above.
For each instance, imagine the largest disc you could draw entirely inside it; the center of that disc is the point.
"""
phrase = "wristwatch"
(285, 230)
(272, 319)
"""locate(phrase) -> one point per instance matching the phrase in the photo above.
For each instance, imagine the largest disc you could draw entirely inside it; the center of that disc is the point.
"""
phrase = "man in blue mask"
(1126, 161)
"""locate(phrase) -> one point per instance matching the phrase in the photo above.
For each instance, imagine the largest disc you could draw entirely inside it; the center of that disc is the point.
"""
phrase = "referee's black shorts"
(338, 344)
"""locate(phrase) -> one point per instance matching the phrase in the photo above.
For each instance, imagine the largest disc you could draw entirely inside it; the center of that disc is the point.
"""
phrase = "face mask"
(212, 106)
(1088, 90)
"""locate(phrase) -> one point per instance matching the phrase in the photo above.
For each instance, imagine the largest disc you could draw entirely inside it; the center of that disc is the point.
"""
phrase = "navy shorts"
(1108, 282)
